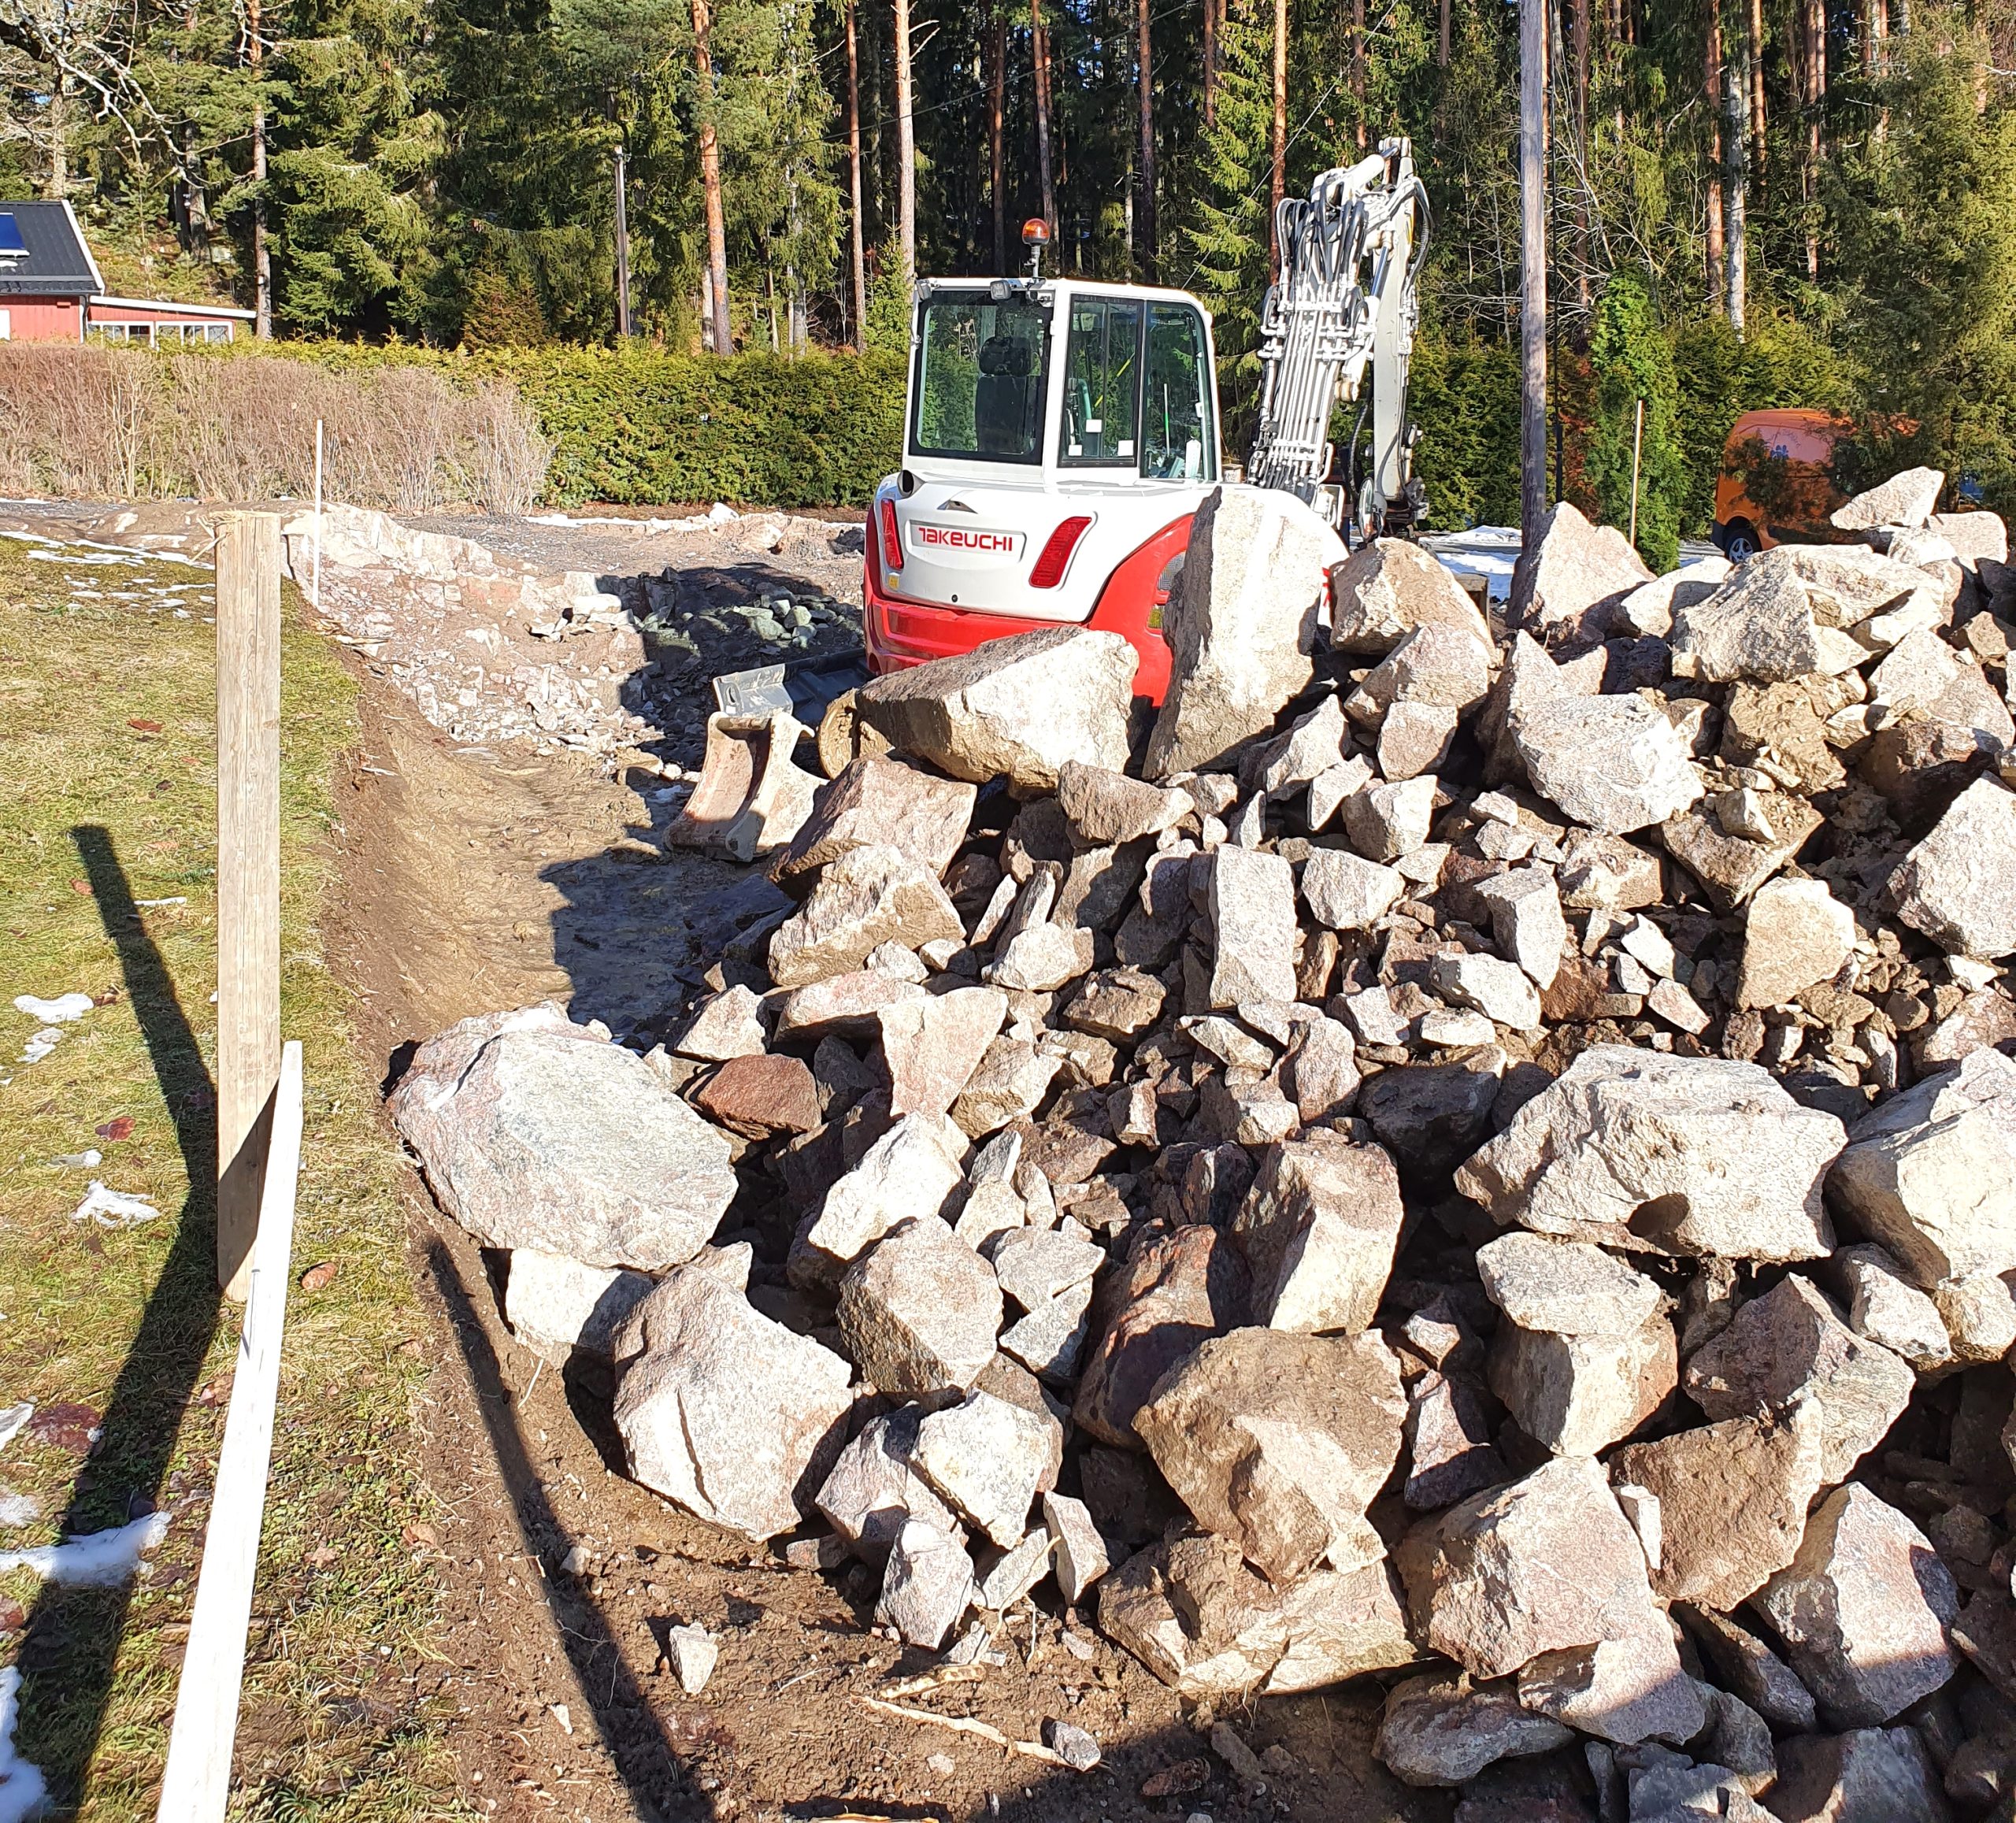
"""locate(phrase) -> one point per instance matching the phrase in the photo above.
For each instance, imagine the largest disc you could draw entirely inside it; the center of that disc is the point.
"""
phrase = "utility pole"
(1442, 48)
(1712, 82)
(857, 251)
(1145, 220)
(262, 262)
(905, 151)
(1039, 55)
(1532, 273)
(1278, 185)
(622, 249)
(1735, 138)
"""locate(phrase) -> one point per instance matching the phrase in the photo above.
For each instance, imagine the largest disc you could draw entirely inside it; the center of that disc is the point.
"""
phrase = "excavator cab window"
(1102, 383)
(1179, 436)
(980, 379)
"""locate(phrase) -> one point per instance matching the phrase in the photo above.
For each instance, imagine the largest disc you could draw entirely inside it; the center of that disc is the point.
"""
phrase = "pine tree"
(1632, 359)
(1228, 231)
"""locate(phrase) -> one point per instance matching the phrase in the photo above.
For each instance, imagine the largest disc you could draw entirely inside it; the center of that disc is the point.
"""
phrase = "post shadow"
(630, 1728)
(71, 1636)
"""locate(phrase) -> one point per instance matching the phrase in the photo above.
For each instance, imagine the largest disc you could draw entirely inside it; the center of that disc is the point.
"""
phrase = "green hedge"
(641, 427)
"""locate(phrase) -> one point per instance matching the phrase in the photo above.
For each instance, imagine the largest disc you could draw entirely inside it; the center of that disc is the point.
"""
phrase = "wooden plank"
(1532, 279)
(248, 588)
(196, 1783)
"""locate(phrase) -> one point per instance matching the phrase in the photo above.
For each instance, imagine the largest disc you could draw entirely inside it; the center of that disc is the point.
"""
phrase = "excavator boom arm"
(1345, 298)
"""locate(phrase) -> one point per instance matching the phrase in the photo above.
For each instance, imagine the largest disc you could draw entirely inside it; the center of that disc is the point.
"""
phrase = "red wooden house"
(51, 290)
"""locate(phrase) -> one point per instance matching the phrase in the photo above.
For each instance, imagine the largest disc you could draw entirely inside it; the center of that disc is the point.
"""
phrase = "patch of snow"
(112, 1208)
(96, 1560)
(12, 1421)
(65, 1010)
(22, 1788)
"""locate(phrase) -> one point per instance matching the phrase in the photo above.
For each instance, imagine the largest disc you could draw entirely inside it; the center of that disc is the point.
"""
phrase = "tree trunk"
(997, 111)
(1712, 82)
(1814, 14)
(1278, 181)
(622, 249)
(262, 259)
(1211, 64)
(710, 184)
(1144, 216)
(906, 146)
(1358, 75)
(1579, 36)
(1754, 57)
(1040, 51)
(1736, 138)
(1442, 46)
(58, 185)
(1532, 272)
(857, 247)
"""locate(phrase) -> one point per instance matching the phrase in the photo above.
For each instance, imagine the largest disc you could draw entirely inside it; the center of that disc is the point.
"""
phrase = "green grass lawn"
(107, 798)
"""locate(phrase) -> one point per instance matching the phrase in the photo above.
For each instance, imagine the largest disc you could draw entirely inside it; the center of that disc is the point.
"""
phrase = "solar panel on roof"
(12, 246)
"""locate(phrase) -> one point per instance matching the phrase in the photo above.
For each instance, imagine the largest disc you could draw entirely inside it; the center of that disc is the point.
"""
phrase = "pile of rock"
(1486, 1160)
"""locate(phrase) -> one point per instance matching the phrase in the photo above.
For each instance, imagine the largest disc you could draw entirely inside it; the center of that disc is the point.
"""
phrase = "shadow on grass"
(631, 1730)
(72, 1635)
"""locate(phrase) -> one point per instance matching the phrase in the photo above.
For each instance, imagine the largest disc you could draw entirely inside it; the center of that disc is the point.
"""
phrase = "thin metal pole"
(1637, 442)
(248, 586)
(315, 572)
(622, 247)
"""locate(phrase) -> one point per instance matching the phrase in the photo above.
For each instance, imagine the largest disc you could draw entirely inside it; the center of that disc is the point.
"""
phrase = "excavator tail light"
(1056, 554)
(892, 544)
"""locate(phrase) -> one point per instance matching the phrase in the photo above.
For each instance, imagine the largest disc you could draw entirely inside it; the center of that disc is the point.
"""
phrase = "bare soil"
(475, 883)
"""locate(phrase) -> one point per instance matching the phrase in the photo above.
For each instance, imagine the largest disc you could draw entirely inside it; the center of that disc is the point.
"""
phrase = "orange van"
(1774, 485)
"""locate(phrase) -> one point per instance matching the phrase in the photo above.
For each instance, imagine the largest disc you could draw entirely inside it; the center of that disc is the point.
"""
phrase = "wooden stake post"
(248, 583)
(1532, 271)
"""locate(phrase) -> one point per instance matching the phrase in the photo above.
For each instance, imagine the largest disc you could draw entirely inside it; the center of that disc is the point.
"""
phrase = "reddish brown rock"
(759, 1096)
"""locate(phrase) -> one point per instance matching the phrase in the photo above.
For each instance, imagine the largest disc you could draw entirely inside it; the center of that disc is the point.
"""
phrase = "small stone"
(1732, 1501)
(874, 1486)
(759, 1097)
(1931, 1173)
(1678, 1155)
(1386, 822)
(1863, 1609)
(1752, 1670)
(1104, 805)
(1759, 626)
(1044, 958)
(1731, 868)
(1436, 666)
(870, 896)
(1051, 1337)
(1071, 1744)
(1905, 501)
(1885, 1308)
(1318, 1229)
(556, 1306)
(876, 799)
(1956, 885)
(1613, 762)
(1240, 625)
(1576, 1395)
(1566, 1288)
(1884, 1774)
(1788, 1346)
(987, 1458)
(1566, 584)
(1116, 1004)
(1526, 920)
(841, 1005)
(1077, 1546)
(1602, 873)
(1251, 904)
(1450, 1454)
(1018, 707)
(724, 1025)
(1387, 588)
(1037, 1265)
(1313, 744)
(1626, 1689)
(933, 1046)
(1673, 1003)
(1280, 1442)
(1174, 1291)
(1347, 892)
(928, 1587)
(920, 1311)
(1978, 1312)
(693, 1652)
(1499, 990)
(1015, 1573)
(726, 1414)
(1010, 1081)
(910, 1170)
(1795, 935)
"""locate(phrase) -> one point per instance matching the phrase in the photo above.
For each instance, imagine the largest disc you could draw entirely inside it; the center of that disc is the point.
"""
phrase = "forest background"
(1752, 202)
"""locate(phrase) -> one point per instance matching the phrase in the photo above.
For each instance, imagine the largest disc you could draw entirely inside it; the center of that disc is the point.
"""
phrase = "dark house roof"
(56, 263)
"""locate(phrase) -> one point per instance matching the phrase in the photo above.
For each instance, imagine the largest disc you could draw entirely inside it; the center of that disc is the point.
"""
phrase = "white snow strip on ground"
(40, 1044)
(112, 1208)
(19, 1508)
(13, 1419)
(96, 1560)
(63, 1010)
(22, 1788)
